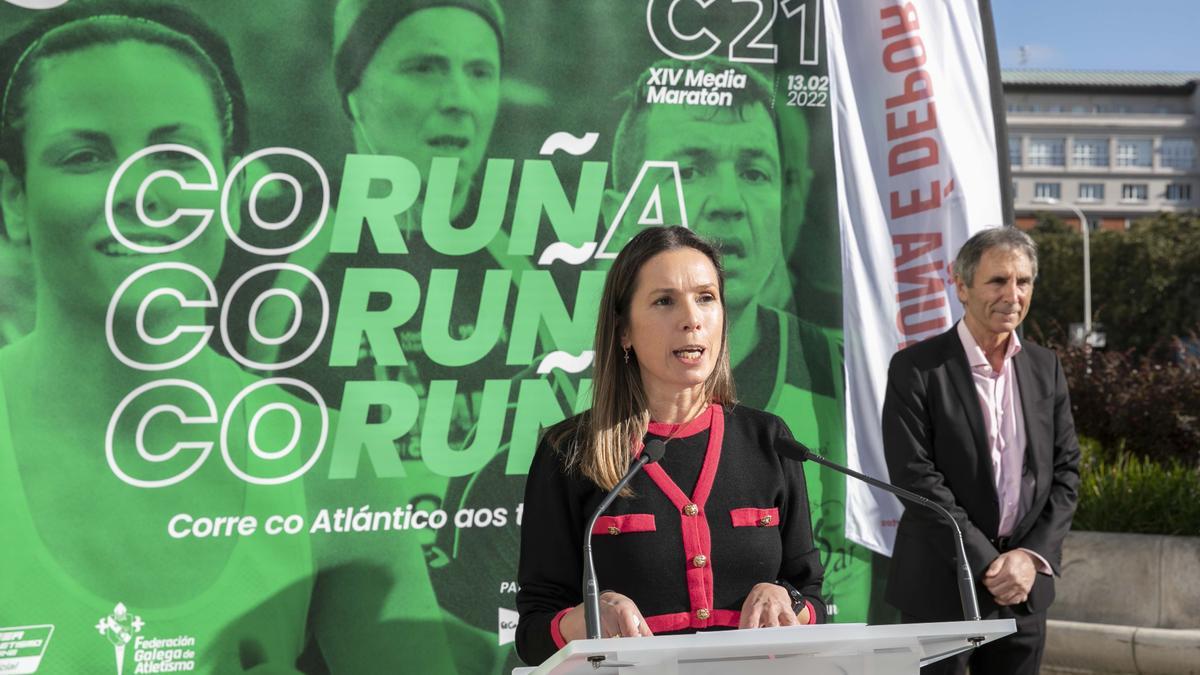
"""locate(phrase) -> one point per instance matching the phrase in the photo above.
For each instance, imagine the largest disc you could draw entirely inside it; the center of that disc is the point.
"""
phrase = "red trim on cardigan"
(708, 472)
(753, 517)
(555, 631)
(667, 623)
(697, 539)
(633, 522)
(700, 423)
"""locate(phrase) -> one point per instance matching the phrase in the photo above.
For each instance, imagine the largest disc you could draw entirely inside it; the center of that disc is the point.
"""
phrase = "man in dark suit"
(980, 422)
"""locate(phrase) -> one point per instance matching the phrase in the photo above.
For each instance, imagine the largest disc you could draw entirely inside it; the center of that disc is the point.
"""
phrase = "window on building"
(1014, 151)
(1091, 192)
(1134, 192)
(1178, 153)
(1047, 191)
(1047, 151)
(1179, 192)
(1089, 152)
(1134, 151)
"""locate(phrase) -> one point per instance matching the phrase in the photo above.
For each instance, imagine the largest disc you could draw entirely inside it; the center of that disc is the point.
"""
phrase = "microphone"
(793, 449)
(653, 452)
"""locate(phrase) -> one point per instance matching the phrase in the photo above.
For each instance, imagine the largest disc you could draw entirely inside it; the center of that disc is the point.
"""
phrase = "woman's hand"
(619, 617)
(770, 605)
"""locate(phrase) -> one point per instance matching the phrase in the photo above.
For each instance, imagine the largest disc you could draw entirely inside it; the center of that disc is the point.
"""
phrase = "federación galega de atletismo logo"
(119, 627)
(151, 653)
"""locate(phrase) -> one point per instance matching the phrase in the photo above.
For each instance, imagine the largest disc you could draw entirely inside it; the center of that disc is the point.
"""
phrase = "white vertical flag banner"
(917, 167)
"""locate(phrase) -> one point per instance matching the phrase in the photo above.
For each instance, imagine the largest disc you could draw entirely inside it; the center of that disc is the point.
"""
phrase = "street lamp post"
(1087, 263)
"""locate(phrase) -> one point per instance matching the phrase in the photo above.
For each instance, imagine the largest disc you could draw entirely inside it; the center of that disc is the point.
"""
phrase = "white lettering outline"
(603, 252)
(205, 447)
(230, 182)
(274, 381)
(703, 32)
(237, 285)
(205, 331)
(754, 43)
(205, 214)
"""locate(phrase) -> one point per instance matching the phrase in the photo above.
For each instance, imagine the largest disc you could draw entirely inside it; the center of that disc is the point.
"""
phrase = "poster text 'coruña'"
(161, 317)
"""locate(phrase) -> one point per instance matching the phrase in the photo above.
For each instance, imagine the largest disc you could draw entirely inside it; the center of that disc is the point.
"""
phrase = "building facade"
(1118, 146)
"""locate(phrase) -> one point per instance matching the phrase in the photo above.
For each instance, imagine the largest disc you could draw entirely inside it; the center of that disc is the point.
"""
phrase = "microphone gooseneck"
(793, 449)
(653, 452)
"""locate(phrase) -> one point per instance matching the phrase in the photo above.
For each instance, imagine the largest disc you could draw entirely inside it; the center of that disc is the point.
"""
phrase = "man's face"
(432, 90)
(998, 298)
(729, 163)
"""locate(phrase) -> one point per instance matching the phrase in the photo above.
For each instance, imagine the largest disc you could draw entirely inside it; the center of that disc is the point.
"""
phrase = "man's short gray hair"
(1007, 238)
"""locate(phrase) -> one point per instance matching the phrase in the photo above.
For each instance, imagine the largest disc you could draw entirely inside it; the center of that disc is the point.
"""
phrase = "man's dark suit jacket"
(935, 442)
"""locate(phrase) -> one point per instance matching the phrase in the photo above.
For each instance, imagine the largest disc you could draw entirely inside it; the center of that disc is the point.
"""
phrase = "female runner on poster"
(167, 560)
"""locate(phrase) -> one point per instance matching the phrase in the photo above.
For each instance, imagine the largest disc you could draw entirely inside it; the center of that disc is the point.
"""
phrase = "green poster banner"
(288, 291)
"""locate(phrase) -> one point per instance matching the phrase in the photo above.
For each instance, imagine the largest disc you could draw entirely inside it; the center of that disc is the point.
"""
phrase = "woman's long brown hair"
(600, 442)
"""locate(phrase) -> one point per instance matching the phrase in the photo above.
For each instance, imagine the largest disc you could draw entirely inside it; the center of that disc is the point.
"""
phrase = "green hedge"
(1136, 494)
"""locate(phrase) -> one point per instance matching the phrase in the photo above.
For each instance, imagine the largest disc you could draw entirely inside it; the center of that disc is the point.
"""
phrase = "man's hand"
(1010, 577)
(769, 605)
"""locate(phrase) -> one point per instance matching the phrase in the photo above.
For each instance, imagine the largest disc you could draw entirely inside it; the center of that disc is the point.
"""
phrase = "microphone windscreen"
(792, 449)
(655, 450)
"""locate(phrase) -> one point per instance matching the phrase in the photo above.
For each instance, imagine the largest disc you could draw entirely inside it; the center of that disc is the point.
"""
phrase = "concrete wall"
(1127, 603)
(1130, 579)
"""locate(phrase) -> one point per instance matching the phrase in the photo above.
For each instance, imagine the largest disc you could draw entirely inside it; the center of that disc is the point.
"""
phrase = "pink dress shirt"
(1004, 422)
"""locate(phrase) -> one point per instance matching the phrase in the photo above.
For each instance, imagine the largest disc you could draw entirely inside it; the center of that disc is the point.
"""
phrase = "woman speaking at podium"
(717, 535)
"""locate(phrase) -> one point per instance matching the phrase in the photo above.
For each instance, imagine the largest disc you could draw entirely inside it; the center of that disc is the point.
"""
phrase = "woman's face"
(676, 322)
(86, 112)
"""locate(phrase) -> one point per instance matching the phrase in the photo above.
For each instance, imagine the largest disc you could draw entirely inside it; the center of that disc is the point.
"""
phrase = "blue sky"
(1099, 34)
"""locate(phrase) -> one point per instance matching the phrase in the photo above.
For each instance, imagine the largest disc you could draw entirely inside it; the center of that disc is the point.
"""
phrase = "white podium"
(827, 649)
